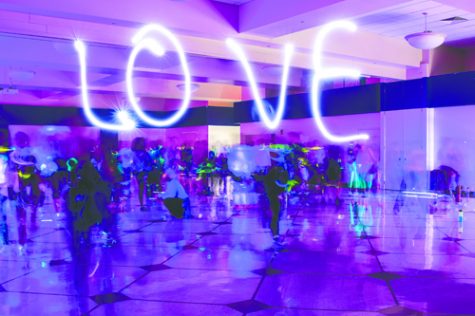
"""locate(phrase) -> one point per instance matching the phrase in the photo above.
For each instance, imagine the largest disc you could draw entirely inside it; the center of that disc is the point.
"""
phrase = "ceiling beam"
(292, 16)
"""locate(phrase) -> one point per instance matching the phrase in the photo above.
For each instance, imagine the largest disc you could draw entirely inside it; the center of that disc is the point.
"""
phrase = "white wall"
(222, 136)
(455, 141)
(403, 149)
(305, 130)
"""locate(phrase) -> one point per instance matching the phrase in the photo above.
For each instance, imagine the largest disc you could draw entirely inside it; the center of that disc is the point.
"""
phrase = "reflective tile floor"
(373, 258)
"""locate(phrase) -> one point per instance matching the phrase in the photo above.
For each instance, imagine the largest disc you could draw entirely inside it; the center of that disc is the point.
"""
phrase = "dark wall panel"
(452, 90)
(223, 116)
(402, 95)
(354, 100)
(447, 90)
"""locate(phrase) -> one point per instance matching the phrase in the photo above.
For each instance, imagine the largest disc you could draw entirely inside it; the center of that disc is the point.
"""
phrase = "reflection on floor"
(373, 257)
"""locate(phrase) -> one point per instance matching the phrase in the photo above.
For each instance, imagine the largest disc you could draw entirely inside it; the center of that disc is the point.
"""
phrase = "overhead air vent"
(8, 90)
(454, 20)
(193, 86)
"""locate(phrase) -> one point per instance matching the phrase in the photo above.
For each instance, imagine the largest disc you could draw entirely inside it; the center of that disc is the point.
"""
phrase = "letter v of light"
(270, 123)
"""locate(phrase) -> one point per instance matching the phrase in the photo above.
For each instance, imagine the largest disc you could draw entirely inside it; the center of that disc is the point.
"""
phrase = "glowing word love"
(143, 40)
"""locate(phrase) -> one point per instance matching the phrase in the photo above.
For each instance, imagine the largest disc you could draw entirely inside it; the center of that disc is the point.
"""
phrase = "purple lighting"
(236, 157)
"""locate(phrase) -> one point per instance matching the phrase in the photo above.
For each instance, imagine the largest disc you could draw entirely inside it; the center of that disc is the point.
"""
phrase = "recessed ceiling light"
(194, 87)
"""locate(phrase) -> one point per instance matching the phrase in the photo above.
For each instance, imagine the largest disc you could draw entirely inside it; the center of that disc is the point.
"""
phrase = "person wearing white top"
(175, 197)
(174, 189)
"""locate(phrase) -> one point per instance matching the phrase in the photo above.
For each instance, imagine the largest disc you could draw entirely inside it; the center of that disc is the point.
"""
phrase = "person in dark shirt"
(87, 199)
(142, 165)
(207, 172)
(275, 183)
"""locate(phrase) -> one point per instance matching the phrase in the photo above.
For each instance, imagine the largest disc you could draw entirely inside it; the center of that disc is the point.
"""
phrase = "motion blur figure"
(223, 171)
(142, 165)
(154, 177)
(275, 183)
(333, 174)
(187, 159)
(59, 183)
(87, 201)
(175, 197)
(357, 182)
(4, 239)
(207, 171)
(25, 191)
(29, 180)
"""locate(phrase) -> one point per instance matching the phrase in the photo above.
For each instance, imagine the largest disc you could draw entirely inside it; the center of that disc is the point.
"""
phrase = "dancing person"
(87, 201)
(207, 172)
(142, 164)
(175, 197)
(275, 183)
(333, 175)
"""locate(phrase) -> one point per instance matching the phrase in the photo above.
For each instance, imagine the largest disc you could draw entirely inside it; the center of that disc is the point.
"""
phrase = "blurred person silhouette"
(357, 182)
(224, 172)
(3, 197)
(187, 159)
(333, 174)
(207, 173)
(445, 181)
(29, 195)
(399, 201)
(4, 239)
(110, 172)
(142, 165)
(87, 201)
(59, 182)
(154, 177)
(124, 165)
(175, 197)
(275, 183)
(28, 181)
(29, 192)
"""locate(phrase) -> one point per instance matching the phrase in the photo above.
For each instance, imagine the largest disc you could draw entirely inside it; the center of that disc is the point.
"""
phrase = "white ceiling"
(406, 18)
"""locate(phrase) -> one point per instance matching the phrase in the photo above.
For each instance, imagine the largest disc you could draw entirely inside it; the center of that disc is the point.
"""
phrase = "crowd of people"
(86, 188)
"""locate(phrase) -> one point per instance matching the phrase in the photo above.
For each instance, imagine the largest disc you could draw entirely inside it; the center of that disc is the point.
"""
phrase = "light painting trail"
(321, 73)
(271, 124)
(143, 41)
(126, 123)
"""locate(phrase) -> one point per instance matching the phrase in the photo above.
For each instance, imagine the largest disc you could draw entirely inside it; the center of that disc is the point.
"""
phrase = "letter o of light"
(322, 73)
(142, 41)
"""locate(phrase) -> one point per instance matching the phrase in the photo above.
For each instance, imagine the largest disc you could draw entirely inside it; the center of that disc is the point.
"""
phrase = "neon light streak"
(324, 73)
(142, 41)
(126, 123)
(271, 124)
(24, 176)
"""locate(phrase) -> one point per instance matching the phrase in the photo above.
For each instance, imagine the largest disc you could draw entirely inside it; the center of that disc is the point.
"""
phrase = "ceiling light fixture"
(193, 87)
(426, 39)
